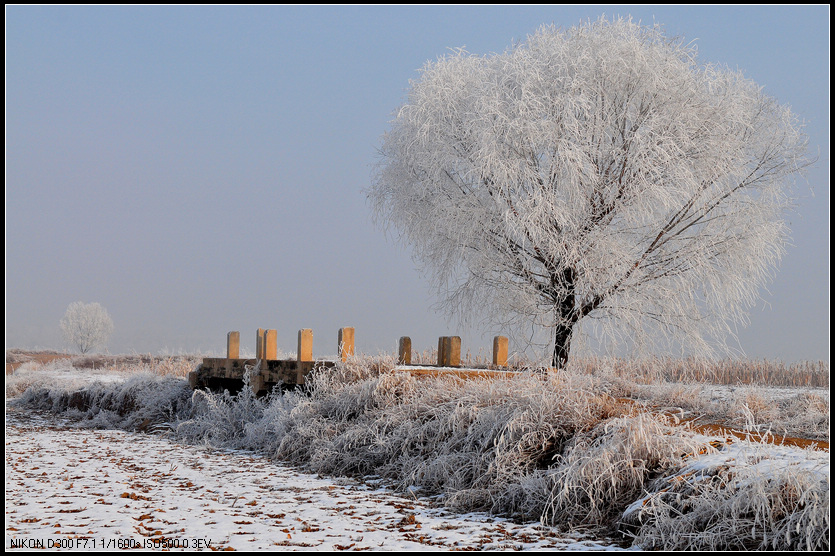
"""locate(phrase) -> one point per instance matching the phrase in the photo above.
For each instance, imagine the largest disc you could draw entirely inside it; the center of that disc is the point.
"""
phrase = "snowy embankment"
(556, 450)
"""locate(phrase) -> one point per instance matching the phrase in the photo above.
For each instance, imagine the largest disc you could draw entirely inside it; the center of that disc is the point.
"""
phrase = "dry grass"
(787, 400)
(659, 370)
(805, 374)
(64, 371)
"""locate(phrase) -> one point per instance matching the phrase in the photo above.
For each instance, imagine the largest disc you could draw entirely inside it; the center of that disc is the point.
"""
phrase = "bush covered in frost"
(141, 402)
(746, 497)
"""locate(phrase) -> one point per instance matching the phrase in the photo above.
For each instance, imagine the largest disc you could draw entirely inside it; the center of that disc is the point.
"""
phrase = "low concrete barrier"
(266, 371)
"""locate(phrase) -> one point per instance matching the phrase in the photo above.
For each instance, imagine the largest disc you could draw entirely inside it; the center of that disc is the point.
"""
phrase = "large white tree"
(86, 326)
(596, 174)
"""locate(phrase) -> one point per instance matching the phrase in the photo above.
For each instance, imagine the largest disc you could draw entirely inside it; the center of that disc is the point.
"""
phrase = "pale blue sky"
(200, 169)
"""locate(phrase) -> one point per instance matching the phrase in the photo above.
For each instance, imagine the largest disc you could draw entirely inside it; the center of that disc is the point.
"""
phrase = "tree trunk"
(562, 345)
(566, 317)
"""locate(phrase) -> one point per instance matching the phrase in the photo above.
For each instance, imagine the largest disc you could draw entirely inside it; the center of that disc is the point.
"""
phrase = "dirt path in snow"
(93, 489)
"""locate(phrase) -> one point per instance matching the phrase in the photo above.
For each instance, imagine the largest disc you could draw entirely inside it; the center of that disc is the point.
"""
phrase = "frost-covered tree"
(86, 326)
(597, 174)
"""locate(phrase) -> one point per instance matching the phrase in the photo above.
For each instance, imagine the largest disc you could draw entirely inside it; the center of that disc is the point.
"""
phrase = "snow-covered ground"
(88, 489)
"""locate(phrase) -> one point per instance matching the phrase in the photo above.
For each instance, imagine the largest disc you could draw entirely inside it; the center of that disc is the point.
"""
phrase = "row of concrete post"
(266, 344)
(449, 347)
(449, 351)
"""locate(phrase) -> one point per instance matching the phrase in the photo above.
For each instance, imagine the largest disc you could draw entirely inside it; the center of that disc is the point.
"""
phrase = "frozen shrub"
(472, 441)
(748, 497)
(604, 470)
(807, 414)
(141, 401)
(222, 420)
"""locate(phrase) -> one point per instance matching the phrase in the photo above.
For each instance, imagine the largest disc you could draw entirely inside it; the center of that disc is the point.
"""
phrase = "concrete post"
(233, 345)
(305, 352)
(404, 351)
(259, 344)
(452, 351)
(500, 351)
(441, 355)
(346, 342)
(270, 345)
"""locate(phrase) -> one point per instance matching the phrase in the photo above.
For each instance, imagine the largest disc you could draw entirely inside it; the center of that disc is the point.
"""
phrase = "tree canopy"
(595, 173)
(86, 326)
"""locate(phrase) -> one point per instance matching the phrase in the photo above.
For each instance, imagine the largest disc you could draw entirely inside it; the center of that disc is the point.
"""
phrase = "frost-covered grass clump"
(746, 497)
(142, 401)
(550, 447)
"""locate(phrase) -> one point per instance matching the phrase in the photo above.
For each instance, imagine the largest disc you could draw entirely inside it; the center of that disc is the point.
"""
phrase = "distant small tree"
(594, 173)
(86, 326)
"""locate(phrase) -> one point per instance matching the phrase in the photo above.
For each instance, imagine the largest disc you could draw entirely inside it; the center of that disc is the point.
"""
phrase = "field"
(607, 454)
